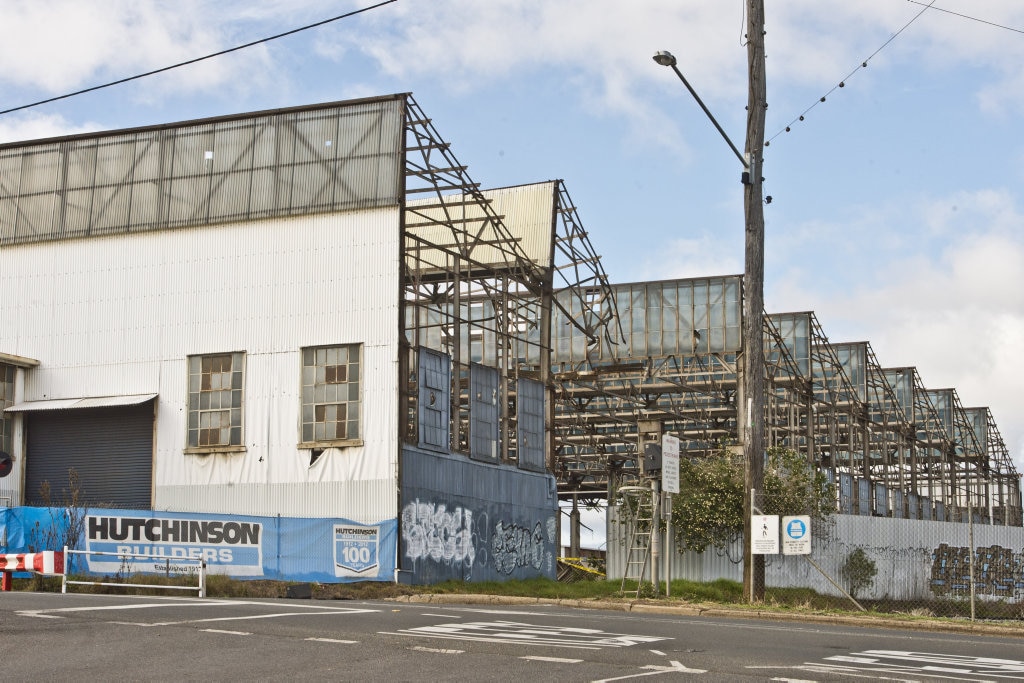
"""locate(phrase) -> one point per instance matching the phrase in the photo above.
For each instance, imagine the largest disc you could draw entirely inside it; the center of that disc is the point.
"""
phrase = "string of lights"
(198, 59)
(842, 83)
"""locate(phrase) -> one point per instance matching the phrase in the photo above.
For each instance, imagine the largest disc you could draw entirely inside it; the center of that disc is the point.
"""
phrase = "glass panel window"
(330, 393)
(215, 400)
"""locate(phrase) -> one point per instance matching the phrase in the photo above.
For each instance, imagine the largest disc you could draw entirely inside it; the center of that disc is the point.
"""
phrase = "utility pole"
(752, 385)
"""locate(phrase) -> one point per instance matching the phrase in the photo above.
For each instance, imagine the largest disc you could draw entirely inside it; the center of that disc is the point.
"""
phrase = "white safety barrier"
(200, 564)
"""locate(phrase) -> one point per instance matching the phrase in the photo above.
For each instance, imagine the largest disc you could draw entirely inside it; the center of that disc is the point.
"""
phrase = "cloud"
(958, 316)
(702, 256)
(33, 126)
(65, 45)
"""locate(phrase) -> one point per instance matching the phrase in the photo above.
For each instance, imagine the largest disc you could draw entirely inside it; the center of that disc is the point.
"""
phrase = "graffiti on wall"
(432, 531)
(998, 571)
(517, 546)
(462, 538)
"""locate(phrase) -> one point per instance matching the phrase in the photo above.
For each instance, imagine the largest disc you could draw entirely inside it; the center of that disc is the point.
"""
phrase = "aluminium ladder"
(638, 505)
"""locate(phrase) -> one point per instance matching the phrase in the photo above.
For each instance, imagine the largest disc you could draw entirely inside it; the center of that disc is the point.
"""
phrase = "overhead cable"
(842, 83)
(970, 18)
(199, 59)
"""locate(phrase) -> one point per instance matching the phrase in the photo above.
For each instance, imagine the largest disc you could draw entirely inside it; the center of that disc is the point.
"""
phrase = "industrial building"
(311, 320)
(892, 446)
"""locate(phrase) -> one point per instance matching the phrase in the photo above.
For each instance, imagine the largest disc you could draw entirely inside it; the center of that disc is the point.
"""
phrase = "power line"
(970, 18)
(862, 65)
(199, 59)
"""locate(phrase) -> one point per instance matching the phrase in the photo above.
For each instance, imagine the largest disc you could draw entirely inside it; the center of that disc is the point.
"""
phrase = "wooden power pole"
(752, 386)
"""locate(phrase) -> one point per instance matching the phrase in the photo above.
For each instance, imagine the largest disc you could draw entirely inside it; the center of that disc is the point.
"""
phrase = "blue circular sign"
(796, 529)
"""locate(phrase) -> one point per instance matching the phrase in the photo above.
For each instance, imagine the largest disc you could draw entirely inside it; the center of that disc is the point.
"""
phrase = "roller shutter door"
(110, 448)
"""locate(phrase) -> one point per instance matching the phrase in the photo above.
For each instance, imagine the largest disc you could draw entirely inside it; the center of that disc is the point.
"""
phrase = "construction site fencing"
(922, 567)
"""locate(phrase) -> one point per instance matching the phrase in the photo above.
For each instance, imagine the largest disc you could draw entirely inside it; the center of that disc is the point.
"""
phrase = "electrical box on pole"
(652, 459)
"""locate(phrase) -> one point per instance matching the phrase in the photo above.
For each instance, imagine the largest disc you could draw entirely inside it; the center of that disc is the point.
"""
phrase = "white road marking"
(852, 660)
(333, 640)
(442, 616)
(479, 640)
(907, 663)
(499, 611)
(57, 612)
(230, 633)
(50, 613)
(655, 670)
(436, 650)
(247, 617)
(557, 660)
(658, 652)
(531, 634)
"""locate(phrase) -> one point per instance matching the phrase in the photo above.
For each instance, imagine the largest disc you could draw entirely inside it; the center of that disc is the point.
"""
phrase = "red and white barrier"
(46, 562)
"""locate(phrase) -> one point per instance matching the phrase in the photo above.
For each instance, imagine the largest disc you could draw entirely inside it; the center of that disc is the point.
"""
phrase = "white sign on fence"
(670, 463)
(764, 534)
(796, 535)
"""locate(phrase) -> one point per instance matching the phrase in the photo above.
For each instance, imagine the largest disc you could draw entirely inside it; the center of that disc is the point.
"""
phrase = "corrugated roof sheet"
(76, 403)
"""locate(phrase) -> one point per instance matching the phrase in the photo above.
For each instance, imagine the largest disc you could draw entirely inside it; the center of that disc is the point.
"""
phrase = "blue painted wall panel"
(244, 547)
(530, 441)
(474, 521)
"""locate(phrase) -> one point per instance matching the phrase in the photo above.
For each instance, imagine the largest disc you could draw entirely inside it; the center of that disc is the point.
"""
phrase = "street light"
(750, 402)
(666, 58)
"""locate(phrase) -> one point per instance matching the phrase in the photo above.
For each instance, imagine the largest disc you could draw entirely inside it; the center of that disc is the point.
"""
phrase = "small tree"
(67, 521)
(793, 487)
(708, 510)
(858, 571)
(67, 516)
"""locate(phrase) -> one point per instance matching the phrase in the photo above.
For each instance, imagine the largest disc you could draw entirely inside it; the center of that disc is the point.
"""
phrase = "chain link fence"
(968, 568)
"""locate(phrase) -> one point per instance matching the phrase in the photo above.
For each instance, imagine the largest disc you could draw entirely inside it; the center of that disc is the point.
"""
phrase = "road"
(64, 637)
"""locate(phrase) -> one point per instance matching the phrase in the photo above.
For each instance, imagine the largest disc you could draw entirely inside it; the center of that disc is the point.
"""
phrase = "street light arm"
(666, 59)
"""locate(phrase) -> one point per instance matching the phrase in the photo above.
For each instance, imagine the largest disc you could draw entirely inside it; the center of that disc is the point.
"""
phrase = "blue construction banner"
(331, 550)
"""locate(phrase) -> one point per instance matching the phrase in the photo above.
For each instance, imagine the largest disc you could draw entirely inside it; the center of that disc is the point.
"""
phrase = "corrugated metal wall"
(474, 521)
(706, 566)
(527, 212)
(118, 315)
(915, 559)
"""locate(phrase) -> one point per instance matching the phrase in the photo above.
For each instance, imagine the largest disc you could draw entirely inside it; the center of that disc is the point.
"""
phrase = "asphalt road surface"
(45, 636)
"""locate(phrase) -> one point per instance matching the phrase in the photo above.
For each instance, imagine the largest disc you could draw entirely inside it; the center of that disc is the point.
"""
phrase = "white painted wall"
(119, 315)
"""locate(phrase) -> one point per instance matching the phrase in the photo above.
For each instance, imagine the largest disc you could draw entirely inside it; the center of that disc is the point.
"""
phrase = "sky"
(897, 210)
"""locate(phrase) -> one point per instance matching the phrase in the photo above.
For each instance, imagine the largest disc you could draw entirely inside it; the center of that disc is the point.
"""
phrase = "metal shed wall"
(118, 315)
(474, 521)
(527, 212)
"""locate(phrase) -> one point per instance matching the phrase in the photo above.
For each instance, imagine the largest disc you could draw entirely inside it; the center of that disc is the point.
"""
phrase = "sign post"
(670, 485)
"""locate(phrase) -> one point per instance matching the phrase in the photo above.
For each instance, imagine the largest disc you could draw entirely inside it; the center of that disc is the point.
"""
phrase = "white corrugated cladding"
(118, 315)
(528, 214)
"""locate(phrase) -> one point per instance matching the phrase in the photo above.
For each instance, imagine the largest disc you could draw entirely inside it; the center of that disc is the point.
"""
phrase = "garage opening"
(110, 447)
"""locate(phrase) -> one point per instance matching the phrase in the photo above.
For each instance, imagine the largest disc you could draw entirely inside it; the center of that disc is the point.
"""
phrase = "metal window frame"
(237, 358)
(348, 441)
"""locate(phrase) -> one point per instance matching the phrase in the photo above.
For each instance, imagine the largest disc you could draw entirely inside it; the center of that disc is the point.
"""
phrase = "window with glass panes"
(215, 399)
(330, 393)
